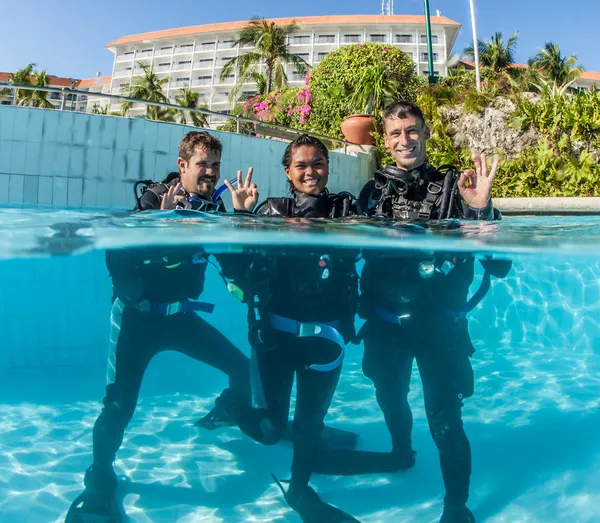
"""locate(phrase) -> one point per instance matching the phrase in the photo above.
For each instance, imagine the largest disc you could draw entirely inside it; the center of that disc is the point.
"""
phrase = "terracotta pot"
(357, 128)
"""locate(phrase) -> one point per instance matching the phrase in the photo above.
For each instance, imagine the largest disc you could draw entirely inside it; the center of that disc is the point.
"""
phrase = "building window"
(378, 38)
(303, 56)
(320, 56)
(129, 53)
(326, 39)
(166, 48)
(404, 39)
(351, 39)
(410, 54)
(165, 64)
(183, 62)
(423, 39)
(425, 57)
(296, 40)
(207, 46)
(54, 96)
(426, 73)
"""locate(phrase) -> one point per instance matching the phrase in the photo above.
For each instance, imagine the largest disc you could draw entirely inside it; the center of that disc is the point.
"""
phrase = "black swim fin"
(218, 418)
(91, 507)
(311, 508)
(340, 462)
(331, 438)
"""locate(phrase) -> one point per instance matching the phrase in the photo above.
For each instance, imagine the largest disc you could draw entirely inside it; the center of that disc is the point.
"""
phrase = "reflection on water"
(531, 421)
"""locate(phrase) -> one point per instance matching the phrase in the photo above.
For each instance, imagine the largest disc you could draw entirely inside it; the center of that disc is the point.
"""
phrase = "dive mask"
(400, 179)
(196, 203)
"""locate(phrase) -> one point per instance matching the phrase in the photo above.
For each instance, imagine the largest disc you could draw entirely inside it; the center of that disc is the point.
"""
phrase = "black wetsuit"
(298, 286)
(152, 313)
(414, 305)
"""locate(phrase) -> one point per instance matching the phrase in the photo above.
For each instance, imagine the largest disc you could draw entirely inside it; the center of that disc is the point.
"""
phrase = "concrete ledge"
(588, 205)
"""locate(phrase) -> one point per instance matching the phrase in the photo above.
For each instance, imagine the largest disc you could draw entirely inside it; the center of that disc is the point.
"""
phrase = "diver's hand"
(170, 199)
(477, 193)
(245, 197)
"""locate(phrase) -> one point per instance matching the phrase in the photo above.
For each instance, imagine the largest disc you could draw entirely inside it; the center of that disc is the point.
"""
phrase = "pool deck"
(554, 206)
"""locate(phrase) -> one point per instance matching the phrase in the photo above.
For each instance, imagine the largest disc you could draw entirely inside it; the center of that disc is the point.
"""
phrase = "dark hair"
(193, 139)
(304, 140)
(402, 110)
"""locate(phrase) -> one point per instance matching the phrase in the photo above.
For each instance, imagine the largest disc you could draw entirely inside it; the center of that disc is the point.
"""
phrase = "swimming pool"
(532, 421)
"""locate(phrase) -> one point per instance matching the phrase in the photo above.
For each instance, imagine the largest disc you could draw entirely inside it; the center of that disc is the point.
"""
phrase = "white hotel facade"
(195, 56)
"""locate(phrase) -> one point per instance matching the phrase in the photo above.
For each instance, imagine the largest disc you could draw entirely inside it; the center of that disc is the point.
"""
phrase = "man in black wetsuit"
(155, 293)
(415, 306)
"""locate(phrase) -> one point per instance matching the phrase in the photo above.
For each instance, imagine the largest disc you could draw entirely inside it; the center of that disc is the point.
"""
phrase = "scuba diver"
(415, 307)
(302, 304)
(155, 297)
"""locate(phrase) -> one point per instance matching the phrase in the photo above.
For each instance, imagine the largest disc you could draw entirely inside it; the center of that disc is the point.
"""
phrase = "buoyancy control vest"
(325, 205)
(423, 194)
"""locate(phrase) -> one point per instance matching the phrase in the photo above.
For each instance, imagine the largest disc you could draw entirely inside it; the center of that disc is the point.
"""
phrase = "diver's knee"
(271, 432)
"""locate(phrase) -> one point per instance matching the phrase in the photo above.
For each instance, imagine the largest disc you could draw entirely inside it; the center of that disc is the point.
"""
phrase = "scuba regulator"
(402, 181)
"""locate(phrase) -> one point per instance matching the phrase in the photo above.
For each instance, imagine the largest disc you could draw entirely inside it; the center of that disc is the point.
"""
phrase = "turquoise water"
(532, 423)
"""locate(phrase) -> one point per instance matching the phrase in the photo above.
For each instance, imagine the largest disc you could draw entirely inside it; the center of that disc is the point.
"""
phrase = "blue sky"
(67, 37)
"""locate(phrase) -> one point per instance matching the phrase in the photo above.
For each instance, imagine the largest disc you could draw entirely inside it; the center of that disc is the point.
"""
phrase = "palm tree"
(146, 87)
(271, 48)
(189, 99)
(495, 54)
(26, 97)
(554, 65)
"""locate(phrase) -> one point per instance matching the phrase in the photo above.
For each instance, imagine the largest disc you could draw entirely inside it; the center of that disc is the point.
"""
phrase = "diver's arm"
(367, 199)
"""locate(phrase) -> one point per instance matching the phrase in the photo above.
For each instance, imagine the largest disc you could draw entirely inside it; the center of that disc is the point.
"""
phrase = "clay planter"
(357, 128)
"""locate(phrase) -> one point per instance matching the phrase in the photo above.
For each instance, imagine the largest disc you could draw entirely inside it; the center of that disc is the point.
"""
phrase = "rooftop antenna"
(387, 7)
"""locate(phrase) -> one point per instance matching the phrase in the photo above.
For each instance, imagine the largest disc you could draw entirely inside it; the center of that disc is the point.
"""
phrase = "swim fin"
(92, 507)
(331, 438)
(341, 462)
(311, 508)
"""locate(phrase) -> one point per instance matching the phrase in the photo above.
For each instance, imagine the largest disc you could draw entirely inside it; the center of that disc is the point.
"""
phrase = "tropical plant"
(554, 65)
(338, 76)
(375, 89)
(189, 99)
(271, 48)
(96, 109)
(147, 87)
(495, 54)
(25, 97)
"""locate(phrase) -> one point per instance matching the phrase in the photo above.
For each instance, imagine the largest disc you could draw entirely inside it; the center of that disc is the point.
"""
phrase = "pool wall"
(61, 158)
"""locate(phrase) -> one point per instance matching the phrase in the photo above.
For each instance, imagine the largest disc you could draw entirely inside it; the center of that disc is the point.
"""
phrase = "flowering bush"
(291, 107)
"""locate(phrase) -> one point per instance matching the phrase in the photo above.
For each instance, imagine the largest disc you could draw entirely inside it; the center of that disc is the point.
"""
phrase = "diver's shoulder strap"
(342, 204)
(277, 207)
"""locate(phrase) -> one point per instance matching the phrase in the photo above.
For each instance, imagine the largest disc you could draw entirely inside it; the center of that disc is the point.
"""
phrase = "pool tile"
(15, 188)
(5, 155)
(75, 192)
(59, 191)
(18, 158)
(4, 182)
(45, 190)
(7, 122)
(21, 126)
(30, 189)
(64, 132)
(90, 189)
(92, 160)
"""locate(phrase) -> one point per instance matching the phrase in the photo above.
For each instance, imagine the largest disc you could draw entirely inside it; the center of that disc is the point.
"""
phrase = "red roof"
(54, 81)
(97, 80)
(303, 20)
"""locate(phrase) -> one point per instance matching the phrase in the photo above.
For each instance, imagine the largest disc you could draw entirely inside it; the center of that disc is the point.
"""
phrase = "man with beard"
(155, 299)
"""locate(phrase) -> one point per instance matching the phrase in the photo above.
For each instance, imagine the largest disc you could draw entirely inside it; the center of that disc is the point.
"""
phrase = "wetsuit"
(155, 299)
(415, 308)
(302, 305)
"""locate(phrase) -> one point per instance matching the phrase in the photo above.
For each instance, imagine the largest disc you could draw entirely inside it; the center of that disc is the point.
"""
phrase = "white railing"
(203, 65)
(163, 68)
(181, 67)
(199, 83)
(184, 49)
(121, 74)
(125, 57)
(163, 52)
(205, 47)
(143, 54)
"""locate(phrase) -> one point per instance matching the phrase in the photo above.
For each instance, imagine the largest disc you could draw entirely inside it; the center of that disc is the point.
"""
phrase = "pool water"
(532, 423)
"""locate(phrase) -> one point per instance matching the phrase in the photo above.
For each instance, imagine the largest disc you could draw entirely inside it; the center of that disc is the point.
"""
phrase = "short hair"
(194, 139)
(304, 140)
(402, 109)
